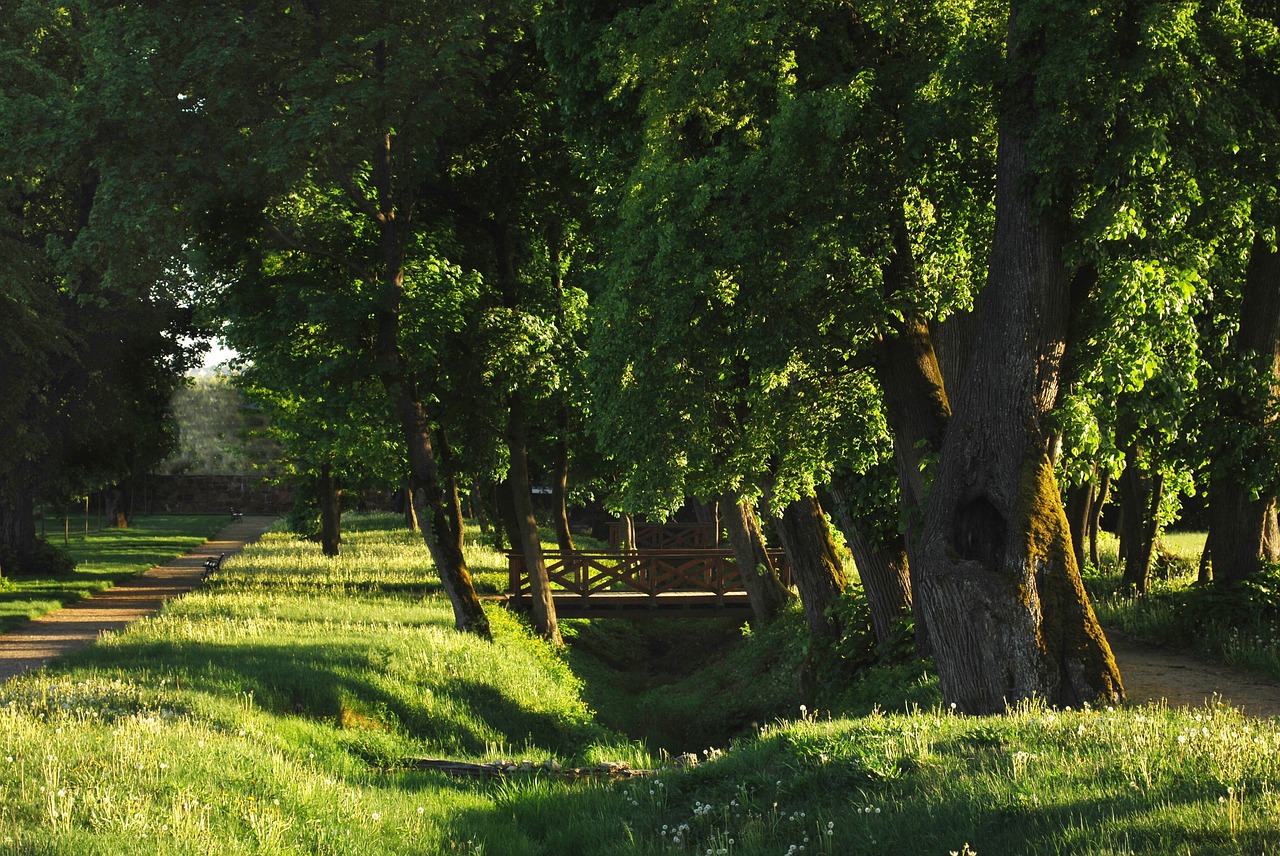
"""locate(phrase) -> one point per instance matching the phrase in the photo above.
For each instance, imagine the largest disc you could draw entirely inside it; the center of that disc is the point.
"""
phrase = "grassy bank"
(280, 710)
(104, 558)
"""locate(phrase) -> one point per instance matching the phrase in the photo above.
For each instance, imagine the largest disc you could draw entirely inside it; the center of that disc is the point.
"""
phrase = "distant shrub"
(45, 561)
(1250, 602)
(48, 561)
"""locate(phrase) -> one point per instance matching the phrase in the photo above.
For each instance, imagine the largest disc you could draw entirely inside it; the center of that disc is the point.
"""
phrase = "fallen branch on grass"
(498, 769)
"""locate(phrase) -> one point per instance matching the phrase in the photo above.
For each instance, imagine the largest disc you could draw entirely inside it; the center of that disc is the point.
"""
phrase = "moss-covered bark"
(816, 567)
(998, 582)
(765, 591)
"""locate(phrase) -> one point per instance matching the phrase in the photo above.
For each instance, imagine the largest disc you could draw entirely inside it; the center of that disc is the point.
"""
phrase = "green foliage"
(48, 560)
(304, 515)
(91, 304)
(751, 205)
(1241, 605)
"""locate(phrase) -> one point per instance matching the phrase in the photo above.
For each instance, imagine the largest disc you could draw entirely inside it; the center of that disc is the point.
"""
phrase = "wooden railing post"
(515, 569)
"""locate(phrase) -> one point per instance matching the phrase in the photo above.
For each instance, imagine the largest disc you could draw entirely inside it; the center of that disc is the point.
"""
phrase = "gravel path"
(1153, 674)
(62, 631)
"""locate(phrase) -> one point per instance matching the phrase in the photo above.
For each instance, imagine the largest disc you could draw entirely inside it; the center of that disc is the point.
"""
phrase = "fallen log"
(611, 770)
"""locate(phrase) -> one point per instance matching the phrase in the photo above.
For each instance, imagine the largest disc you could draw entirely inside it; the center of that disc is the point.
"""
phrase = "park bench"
(212, 563)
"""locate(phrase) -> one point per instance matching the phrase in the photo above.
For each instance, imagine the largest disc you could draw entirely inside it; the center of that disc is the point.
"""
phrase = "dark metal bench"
(213, 563)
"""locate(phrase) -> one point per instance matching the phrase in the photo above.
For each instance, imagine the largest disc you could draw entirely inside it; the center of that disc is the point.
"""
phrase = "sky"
(215, 359)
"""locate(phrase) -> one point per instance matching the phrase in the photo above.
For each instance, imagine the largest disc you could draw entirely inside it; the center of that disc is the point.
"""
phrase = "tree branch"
(291, 242)
(359, 198)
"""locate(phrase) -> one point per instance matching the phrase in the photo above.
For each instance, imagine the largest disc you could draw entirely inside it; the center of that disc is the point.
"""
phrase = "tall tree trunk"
(1271, 534)
(543, 606)
(628, 533)
(1140, 497)
(391, 214)
(881, 566)
(1079, 506)
(481, 510)
(429, 506)
(998, 582)
(504, 500)
(560, 475)
(410, 513)
(816, 568)
(452, 499)
(1238, 524)
(1095, 517)
(115, 512)
(330, 512)
(1237, 519)
(767, 594)
(17, 523)
(915, 401)
(560, 485)
(1204, 573)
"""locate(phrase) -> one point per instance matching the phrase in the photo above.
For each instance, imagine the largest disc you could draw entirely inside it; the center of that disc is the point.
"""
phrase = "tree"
(319, 132)
(93, 351)
(325, 408)
(999, 585)
(1237, 73)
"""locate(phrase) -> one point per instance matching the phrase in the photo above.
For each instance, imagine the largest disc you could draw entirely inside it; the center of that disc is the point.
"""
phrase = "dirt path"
(1152, 674)
(62, 631)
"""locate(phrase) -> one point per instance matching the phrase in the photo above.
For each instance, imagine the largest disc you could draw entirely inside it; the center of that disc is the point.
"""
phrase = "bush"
(1254, 601)
(45, 561)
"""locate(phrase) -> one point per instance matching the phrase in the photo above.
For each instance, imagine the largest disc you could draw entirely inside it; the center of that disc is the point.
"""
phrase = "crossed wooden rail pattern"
(647, 572)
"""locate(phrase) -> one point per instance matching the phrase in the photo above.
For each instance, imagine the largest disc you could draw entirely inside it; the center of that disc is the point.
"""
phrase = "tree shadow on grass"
(341, 684)
(537, 817)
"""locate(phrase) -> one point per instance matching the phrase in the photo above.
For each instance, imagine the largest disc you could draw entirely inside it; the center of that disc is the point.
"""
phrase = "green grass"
(103, 559)
(276, 711)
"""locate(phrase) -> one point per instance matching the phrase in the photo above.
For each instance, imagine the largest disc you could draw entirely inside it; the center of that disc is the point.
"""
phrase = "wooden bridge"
(630, 584)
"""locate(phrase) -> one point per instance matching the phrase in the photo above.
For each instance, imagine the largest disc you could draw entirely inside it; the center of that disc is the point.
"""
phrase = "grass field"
(280, 710)
(104, 558)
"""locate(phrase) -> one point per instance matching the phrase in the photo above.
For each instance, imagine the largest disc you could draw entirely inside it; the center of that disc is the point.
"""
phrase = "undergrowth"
(1238, 625)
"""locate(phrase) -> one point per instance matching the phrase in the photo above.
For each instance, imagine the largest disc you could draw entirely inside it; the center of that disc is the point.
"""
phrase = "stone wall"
(194, 494)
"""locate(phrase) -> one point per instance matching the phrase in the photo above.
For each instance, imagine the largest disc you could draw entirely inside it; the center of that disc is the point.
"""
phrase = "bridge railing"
(649, 572)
